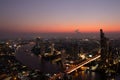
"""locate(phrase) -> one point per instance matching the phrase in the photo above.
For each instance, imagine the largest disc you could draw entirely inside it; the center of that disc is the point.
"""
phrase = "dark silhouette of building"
(108, 59)
(38, 48)
(104, 44)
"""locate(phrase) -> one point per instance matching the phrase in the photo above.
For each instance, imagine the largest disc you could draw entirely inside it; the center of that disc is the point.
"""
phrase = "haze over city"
(59, 39)
(19, 17)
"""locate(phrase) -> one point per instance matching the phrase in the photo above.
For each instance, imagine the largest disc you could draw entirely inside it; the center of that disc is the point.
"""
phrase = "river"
(24, 55)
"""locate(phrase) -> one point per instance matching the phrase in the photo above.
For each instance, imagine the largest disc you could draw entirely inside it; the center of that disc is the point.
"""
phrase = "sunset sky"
(44, 16)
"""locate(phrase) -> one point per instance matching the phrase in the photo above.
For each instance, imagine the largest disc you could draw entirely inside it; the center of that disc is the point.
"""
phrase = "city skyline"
(59, 39)
(63, 16)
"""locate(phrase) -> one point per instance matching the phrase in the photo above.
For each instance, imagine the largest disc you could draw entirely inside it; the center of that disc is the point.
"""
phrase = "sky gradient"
(44, 16)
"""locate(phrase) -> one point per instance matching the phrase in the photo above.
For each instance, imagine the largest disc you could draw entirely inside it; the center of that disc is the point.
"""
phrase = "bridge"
(70, 70)
(74, 68)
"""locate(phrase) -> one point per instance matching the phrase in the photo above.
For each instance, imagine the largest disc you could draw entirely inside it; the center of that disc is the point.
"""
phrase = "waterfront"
(21, 59)
(64, 59)
(34, 62)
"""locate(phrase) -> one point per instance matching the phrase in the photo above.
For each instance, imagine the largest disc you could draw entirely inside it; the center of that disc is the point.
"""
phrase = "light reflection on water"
(86, 75)
(91, 75)
(35, 63)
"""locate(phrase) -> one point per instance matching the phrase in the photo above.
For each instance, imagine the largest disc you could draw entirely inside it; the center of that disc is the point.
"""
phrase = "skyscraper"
(105, 49)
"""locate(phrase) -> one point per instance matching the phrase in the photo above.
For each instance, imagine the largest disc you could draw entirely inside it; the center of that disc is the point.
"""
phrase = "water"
(87, 75)
(24, 55)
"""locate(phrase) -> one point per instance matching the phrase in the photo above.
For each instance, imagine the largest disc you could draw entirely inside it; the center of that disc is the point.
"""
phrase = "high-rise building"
(104, 44)
(38, 40)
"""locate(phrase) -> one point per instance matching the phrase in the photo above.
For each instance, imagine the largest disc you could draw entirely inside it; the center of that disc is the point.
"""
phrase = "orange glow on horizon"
(64, 29)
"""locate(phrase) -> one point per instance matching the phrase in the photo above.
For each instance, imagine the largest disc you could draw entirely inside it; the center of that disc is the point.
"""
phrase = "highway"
(73, 68)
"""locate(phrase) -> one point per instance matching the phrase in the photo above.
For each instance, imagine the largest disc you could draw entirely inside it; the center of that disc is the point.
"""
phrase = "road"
(73, 68)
